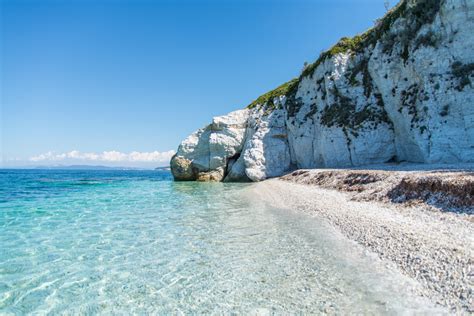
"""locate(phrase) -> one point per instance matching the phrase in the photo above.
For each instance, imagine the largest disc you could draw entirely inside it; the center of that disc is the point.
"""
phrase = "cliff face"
(402, 91)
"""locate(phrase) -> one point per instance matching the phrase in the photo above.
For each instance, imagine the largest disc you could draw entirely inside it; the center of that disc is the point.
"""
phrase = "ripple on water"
(125, 242)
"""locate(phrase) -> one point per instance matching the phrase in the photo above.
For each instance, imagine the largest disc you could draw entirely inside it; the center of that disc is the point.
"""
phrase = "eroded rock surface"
(207, 153)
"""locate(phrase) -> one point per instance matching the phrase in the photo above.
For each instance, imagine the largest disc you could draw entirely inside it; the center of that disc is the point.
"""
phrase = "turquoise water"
(135, 242)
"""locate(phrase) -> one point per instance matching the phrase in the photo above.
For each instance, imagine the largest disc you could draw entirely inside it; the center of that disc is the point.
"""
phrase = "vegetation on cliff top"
(416, 12)
(360, 42)
(268, 97)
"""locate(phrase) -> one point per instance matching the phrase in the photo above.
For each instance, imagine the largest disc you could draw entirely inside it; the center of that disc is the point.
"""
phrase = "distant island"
(166, 168)
(88, 167)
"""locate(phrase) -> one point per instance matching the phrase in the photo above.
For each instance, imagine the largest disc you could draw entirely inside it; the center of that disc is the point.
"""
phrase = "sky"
(116, 82)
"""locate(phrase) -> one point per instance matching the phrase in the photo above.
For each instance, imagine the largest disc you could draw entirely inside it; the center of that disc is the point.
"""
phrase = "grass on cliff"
(359, 42)
(419, 12)
(416, 12)
(268, 97)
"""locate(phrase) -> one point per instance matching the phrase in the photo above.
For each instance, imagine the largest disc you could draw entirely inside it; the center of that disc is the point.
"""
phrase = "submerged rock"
(402, 91)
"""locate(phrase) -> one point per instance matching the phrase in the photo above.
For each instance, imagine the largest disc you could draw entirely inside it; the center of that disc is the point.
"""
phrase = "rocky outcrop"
(208, 153)
(402, 91)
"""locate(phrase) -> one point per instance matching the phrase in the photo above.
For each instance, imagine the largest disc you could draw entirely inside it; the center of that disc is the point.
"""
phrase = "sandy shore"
(426, 242)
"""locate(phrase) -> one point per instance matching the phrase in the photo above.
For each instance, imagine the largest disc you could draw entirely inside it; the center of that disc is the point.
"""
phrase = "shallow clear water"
(136, 242)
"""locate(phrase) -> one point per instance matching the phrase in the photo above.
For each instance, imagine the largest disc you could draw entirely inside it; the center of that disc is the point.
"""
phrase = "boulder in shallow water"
(205, 155)
(181, 169)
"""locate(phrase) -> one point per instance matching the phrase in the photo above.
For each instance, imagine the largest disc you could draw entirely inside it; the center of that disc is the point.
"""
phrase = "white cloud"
(106, 156)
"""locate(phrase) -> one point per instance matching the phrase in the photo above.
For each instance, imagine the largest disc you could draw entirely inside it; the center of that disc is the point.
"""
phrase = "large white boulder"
(204, 155)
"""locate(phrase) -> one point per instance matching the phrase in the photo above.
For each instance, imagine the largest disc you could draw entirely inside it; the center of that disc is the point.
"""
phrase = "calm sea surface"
(136, 242)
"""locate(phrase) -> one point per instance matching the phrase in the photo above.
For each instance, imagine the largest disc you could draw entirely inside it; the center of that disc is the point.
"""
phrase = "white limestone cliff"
(402, 91)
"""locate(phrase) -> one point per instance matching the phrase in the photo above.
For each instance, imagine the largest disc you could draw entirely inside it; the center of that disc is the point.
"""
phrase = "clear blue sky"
(126, 76)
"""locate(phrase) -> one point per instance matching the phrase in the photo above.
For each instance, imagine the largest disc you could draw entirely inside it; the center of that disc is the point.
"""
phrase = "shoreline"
(433, 246)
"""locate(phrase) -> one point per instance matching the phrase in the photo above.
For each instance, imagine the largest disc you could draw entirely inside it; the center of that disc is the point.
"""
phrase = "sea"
(108, 242)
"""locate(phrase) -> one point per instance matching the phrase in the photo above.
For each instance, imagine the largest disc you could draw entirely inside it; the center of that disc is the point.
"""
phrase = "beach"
(426, 242)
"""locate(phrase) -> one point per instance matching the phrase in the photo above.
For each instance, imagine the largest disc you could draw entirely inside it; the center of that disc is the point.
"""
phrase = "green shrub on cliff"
(416, 13)
(268, 97)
